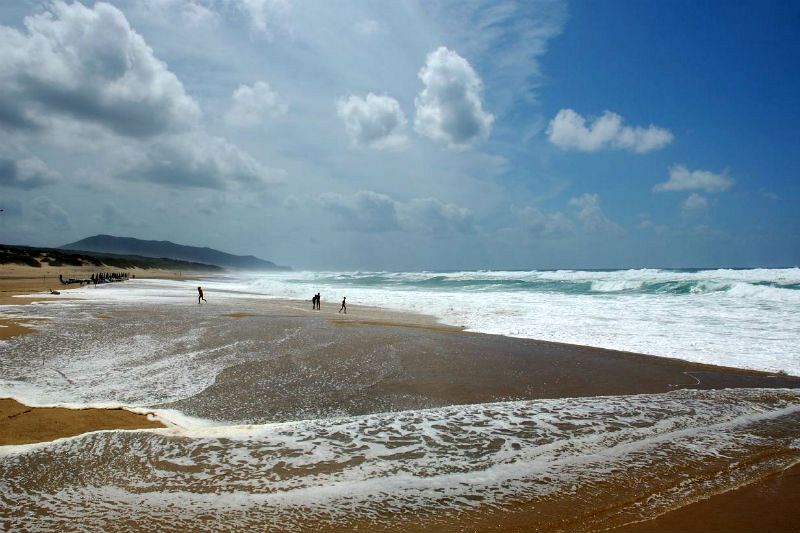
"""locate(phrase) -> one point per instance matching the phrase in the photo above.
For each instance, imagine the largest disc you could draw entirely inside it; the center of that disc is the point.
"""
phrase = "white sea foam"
(742, 318)
(667, 448)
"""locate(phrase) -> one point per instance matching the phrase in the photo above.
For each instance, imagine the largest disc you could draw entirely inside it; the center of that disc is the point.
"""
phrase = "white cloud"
(374, 121)
(264, 14)
(370, 211)
(568, 130)
(694, 203)
(449, 108)
(88, 63)
(545, 224)
(683, 179)
(507, 38)
(253, 104)
(591, 215)
(27, 173)
(191, 13)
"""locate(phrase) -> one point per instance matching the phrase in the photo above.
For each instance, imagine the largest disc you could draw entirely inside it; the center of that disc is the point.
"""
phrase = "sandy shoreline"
(17, 281)
(394, 361)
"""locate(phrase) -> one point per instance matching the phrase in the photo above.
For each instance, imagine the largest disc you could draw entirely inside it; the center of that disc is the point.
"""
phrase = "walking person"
(319, 302)
(344, 305)
(314, 301)
(200, 295)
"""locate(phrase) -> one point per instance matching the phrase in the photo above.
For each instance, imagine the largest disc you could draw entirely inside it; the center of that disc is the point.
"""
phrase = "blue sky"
(408, 135)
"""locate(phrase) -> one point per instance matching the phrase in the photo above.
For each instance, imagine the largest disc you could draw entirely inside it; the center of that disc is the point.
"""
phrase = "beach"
(253, 413)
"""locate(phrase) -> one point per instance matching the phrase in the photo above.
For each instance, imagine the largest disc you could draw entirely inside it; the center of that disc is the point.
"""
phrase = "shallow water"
(574, 464)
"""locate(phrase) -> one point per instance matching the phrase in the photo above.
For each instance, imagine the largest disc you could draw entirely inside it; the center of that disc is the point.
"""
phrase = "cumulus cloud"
(201, 161)
(694, 203)
(45, 210)
(569, 131)
(544, 224)
(253, 104)
(374, 121)
(591, 215)
(90, 64)
(449, 108)
(370, 211)
(28, 173)
(683, 179)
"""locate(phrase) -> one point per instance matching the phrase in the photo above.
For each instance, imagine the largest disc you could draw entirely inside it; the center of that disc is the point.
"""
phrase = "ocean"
(575, 464)
(748, 318)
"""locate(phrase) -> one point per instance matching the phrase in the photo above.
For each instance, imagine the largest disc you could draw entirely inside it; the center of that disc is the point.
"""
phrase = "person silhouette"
(319, 301)
(200, 295)
(344, 305)
(314, 302)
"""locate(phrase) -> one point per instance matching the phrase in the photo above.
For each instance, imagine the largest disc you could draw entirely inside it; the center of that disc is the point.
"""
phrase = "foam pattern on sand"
(596, 459)
(132, 357)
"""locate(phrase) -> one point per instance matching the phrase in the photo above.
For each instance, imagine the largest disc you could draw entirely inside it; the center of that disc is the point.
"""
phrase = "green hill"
(36, 257)
(167, 249)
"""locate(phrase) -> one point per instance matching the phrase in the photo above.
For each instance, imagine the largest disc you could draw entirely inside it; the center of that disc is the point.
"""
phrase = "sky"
(408, 135)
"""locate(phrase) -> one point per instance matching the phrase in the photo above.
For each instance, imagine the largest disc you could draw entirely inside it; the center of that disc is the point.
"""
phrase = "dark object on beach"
(344, 305)
(200, 295)
(54, 292)
(314, 302)
(319, 301)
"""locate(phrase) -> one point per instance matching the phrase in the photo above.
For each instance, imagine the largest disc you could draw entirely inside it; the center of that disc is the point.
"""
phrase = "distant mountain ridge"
(167, 249)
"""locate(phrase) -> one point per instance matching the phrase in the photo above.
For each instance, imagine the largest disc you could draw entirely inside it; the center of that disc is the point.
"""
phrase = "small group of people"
(317, 299)
(101, 277)
(107, 277)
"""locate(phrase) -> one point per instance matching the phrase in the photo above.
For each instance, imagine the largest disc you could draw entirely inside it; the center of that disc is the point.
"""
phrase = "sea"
(574, 464)
(745, 318)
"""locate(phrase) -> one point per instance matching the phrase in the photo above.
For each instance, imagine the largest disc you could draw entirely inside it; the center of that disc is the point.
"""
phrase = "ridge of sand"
(25, 425)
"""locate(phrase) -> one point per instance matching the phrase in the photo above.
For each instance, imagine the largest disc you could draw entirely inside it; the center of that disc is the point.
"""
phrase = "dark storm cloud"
(88, 63)
(25, 174)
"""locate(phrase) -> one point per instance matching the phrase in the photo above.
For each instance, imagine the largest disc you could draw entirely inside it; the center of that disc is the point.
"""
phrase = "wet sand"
(766, 506)
(378, 361)
(20, 424)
